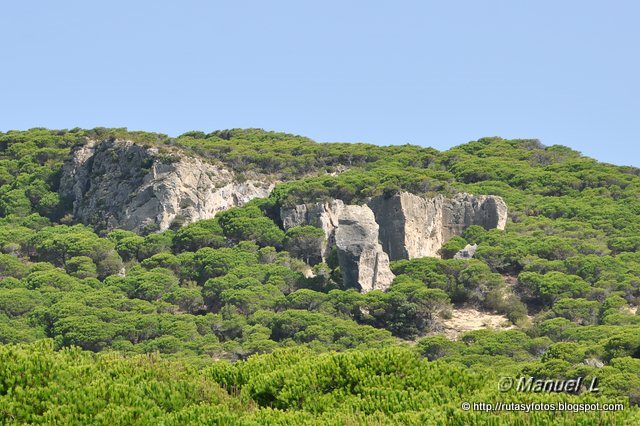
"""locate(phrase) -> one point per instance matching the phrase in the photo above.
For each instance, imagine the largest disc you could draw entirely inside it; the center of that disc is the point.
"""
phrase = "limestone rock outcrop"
(403, 226)
(353, 231)
(363, 263)
(121, 184)
(413, 226)
(410, 226)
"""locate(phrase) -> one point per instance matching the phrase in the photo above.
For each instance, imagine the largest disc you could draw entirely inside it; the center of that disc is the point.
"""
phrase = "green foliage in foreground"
(288, 387)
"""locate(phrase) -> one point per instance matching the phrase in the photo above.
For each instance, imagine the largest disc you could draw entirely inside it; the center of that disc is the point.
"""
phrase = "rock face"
(363, 263)
(321, 215)
(413, 226)
(403, 226)
(410, 226)
(353, 231)
(121, 184)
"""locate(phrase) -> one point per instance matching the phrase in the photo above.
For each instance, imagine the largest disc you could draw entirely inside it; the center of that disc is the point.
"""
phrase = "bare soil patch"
(469, 319)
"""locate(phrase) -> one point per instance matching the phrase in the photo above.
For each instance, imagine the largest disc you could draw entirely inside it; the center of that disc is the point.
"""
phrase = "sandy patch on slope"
(469, 319)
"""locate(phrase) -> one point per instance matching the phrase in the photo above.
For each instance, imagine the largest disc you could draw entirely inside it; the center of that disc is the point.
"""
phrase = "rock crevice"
(363, 263)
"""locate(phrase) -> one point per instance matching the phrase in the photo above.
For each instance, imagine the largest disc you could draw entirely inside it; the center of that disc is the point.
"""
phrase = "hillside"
(253, 277)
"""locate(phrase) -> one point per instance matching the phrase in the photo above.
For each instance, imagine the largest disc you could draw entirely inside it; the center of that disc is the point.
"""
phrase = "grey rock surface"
(363, 263)
(412, 226)
(403, 226)
(122, 184)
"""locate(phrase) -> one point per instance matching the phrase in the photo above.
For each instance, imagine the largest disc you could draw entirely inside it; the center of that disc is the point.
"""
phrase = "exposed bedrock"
(404, 226)
(467, 252)
(119, 184)
(413, 226)
(363, 263)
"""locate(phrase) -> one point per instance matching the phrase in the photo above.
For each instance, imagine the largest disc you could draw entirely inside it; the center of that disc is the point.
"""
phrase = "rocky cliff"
(363, 263)
(403, 226)
(121, 184)
(413, 226)
(353, 231)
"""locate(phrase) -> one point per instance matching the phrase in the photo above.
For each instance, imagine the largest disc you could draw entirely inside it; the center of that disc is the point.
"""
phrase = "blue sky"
(423, 72)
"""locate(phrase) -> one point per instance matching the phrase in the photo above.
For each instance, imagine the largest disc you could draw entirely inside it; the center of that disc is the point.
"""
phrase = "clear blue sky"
(434, 73)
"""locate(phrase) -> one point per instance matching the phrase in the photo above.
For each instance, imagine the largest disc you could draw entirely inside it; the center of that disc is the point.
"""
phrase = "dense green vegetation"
(287, 387)
(221, 321)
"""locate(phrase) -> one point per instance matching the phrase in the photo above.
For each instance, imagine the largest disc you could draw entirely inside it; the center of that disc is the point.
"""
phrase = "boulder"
(467, 252)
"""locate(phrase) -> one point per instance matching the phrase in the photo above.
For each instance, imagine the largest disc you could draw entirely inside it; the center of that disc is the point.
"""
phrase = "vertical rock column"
(363, 263)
